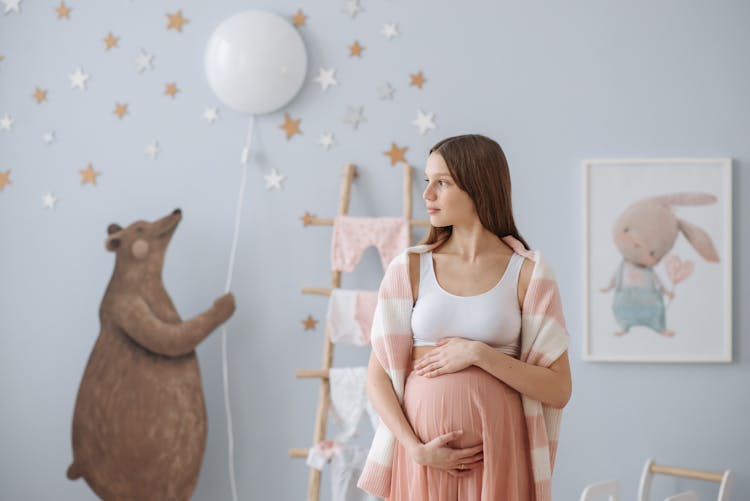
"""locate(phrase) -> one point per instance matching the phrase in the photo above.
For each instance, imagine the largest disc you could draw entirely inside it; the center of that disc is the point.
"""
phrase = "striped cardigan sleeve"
(543, 339)
(391, 340)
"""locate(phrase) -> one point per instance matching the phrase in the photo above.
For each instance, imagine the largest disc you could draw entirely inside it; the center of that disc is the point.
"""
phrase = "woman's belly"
(471, 400)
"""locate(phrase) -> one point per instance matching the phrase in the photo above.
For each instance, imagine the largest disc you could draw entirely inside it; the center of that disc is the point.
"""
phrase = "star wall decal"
(88, 175)
(176, 21)
(352, 8)
(40, 95)
(355, 116)
(396, 154)
(274, 180)
(171, 89)
(153, 150)
(12, 6)
(48, 201)
(299, 18)
(6, 122)
(326, 78)
(309, 323)
(211, 115)
(417, 79)
(386, 91)
(356, 50)
(424, 122)
(326, 140)
(110, 41)
(143, 61)
(63, 11)
(4, 179)
(291, 127)
(121, 109)
(390, 31)
(78, 79)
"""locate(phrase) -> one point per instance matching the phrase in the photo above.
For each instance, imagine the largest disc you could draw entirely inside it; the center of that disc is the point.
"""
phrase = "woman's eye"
(426, 180)
(443, 183)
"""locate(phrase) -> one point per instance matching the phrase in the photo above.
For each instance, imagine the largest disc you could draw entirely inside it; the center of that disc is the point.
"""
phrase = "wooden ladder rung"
(687, 473)
(298, 453)
(319, 373)
(327, 221)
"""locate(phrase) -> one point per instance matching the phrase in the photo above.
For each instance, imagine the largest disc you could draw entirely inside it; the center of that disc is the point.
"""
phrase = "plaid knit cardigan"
(543, 339)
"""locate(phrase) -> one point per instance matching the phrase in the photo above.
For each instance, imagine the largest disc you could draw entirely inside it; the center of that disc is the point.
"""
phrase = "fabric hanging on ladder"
(352, 235)
(349, 400)
(349, 316)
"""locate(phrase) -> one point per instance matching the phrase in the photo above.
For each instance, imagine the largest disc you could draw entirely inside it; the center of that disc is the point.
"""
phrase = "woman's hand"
(438, 454)
(452, 354)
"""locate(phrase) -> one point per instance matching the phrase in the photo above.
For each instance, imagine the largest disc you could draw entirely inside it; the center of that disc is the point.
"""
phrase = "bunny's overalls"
(639, 305)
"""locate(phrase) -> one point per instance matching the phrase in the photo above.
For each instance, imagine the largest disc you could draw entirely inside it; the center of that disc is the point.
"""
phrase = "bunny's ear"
(699, 239)
(686, 199)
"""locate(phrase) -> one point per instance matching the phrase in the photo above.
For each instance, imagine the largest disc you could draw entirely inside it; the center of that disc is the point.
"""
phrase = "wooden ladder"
(321, 415)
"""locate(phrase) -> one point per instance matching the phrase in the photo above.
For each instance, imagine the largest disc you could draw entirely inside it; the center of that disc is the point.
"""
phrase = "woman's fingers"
(463, 454)
(451, 435)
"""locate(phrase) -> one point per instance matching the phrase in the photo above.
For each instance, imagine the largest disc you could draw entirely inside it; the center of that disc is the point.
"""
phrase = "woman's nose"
(428, 194)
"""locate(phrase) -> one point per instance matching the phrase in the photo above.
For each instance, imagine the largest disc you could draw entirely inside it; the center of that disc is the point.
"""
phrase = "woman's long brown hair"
(479, 167)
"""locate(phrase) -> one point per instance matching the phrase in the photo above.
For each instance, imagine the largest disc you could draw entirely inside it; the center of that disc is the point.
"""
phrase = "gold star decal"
(176, 21)
(355, 49)
(309, 323)
(4, 179)
(396, 154)
(291, 127)
(299, 18)
(121, 109)
(88, 175)
(63, 11)
(110, 40)
(171, 89)
(40, 95)
(417, 79)
(307, 219)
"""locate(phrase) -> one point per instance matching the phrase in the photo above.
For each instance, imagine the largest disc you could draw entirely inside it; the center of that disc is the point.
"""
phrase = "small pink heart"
(677, 269)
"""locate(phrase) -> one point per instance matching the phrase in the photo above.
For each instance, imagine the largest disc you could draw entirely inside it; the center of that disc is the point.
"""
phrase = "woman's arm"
(436, 453)
(550, 385)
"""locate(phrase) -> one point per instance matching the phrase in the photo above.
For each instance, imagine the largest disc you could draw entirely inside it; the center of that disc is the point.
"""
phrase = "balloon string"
(232, 254)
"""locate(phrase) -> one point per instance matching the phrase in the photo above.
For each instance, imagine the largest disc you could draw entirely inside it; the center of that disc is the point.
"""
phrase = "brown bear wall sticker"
(139, 425)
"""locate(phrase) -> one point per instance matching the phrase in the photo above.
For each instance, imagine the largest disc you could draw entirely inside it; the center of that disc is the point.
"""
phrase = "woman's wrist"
(478, 353)
(414, 450)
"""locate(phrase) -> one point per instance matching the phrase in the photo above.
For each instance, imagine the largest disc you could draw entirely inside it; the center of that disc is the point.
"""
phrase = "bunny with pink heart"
(644, 234)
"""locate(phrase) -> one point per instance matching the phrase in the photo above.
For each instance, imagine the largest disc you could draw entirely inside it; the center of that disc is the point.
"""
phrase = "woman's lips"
(432, 211)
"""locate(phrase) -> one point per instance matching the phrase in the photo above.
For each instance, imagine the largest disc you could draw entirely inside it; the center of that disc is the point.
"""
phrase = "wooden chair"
(610, 490)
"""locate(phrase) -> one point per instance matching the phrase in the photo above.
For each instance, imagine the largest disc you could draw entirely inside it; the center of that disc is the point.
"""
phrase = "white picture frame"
(627, 227)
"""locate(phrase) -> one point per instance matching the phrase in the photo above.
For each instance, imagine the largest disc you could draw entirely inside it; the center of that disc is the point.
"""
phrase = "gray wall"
(553, 82)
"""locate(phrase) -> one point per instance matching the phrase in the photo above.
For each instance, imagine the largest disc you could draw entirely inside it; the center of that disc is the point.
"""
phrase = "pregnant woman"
(469, 370)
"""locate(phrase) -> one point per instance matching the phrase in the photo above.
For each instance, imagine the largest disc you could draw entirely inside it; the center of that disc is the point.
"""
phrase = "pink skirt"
(489, 412)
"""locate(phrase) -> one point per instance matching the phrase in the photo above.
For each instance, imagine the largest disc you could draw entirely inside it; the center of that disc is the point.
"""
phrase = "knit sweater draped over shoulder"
(544, 339)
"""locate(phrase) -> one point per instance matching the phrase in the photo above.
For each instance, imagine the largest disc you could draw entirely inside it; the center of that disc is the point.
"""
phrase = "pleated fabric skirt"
(489, 412)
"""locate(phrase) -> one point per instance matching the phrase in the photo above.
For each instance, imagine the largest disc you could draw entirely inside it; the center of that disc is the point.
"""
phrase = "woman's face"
(447, 204)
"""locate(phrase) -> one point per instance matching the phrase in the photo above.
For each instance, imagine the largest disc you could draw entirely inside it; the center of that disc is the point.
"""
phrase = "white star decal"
(326, 140)
(78, 79)
(390, 31)
(354, 116)
(352, 8)
(274, 179)
(48, 137)
(326, 78)
(153, 150)
(386, 91)
(49, 201)
(424, 122)
(6, 122)
(12, 5)
(143, 61)
(211, 114)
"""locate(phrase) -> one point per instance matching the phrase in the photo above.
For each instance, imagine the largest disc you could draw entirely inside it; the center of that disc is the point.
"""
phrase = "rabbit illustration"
(644, 233)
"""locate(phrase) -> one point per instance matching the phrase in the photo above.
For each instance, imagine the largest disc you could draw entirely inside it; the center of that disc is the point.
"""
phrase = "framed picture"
(657, 260)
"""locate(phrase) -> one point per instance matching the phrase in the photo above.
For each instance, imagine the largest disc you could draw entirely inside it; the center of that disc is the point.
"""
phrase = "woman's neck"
(471, 242)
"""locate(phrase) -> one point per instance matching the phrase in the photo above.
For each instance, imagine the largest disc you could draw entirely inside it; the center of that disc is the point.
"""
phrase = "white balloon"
(255, 62)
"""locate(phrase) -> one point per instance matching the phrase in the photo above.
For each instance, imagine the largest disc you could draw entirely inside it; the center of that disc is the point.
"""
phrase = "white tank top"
(492, 317)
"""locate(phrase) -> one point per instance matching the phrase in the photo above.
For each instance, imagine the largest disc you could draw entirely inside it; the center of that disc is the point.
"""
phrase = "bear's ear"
(113, 228)
(112, 244)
